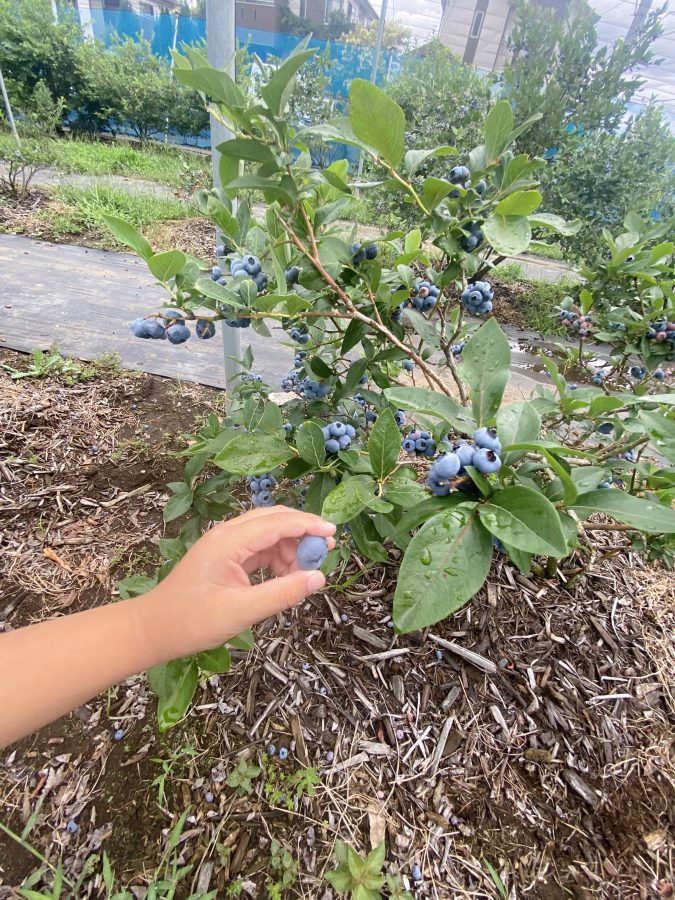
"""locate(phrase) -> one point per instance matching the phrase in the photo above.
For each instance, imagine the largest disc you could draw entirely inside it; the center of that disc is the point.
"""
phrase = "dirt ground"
(542, 769)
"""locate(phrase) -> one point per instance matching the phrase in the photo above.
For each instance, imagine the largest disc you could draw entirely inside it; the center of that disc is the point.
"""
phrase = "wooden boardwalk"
(82, 300)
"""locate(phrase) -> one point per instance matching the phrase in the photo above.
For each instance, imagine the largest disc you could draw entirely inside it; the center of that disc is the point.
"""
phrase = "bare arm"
(48, 669)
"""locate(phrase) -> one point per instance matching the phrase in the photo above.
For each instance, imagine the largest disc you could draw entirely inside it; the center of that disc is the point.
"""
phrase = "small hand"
(208, 597)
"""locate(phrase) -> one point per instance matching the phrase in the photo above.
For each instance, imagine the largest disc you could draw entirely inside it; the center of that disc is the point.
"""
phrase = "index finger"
(258, 530)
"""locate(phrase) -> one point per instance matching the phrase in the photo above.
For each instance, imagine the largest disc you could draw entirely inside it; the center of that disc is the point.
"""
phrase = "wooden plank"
(83, 300)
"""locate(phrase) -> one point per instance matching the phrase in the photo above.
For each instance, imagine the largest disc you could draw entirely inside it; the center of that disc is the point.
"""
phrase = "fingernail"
(315, 581)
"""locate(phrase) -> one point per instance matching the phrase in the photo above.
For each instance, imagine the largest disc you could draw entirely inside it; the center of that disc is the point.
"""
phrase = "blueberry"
(118, 735)
(399, 417)
(486, 461)
(283, 753)
(332, 446)
(306, 667)
(311, 552)
(446, 466)
(337, 429)
(344, 618)
(416, 873)
(465, 452)
(400, 734)
(605, 485)
(481, 187)
(605, 427)
(221, 250)
(288, 427)
(177, 334)
(408, 445)
(458, 175)
(265, 484)
(292, 275)
(357, 252)
(421, 445)
(216, 273)
(439, 655)
(350, 431)
(137, 328)
(408, 365)
(573, 386)
(265, 498)
(371, 251)
(344, 441)
(154, 328)
(487, 438)
(271, 750)
(72, 827)
(330, 756)
(323, 691)
(597, 379)
(252, 265)
(208, 796)
(204, 329)
(659, 374)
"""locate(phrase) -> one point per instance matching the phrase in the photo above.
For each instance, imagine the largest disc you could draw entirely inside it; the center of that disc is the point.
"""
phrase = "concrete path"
(83, 300)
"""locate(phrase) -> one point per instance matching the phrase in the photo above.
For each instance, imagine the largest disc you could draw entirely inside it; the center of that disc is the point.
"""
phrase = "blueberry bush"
(392, 422)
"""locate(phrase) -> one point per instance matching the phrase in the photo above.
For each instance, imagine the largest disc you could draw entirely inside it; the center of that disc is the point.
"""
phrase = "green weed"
(84, 208)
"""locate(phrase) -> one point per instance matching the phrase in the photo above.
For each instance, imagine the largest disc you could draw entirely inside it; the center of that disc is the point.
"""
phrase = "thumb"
(278, 594)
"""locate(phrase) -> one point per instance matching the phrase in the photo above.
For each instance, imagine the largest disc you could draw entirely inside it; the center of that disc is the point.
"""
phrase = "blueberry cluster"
(483, 454)
(661, 331)
(338, 436)
(424, 297)
(456, 349)
(222, 250)
(311, 389)
(171, 325)
(250, 266)
(582, 324)
(242, 322)
(261, 489)
(477, 298)
(301, 337)
(459, 175)
(360, 252)
(371, 416)
(419, 443)
(473, 239)
(289, 383)
(249, 376)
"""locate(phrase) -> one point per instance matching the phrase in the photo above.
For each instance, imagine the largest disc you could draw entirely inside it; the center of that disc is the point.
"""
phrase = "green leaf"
(215, 83)
(135, 585)
(556, 223)
(166, 265)
(526, 520)
(365, 537)
(413, 240)
(661, 432)
(249, 149)
(216, 661)
(427, 330)
(486, 362)
(321, 486)
(645, 515)
(310, 443)
(522, 559)
(520, 203)
(174, 683)
(242, 641)
(253, 454)
(126, 234)
(414, 158)
(377, 120)
(348, 499)
(434, 190)
(404, 490)
(423, 400)
(214, 291)
(509, 235)
(445, 564)
(384, 445)
(516, 423)
(277, 90)
(179, 503)
(498, 128)
(587, 478)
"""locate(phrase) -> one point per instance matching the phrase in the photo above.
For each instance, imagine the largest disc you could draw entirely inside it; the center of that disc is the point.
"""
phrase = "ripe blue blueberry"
(337, 429)
(137, 328)
(208, 796)
(118, 735)
(573, 386)
(458, 175)
(439, 655)
(204, 329)
(486, 461)
(177, 334)
(323, 691)
(371, 251)
(154, 328)
(481, 187)
(604, 485)
(605, 427)
(252, 265)
(271, 750)
(72, 827)
(311, 552)
(408, 365)
(292, 275)
(332, 445)
(344, 618)
(216, 273)
(446, 466)
(416, 873)
(487, 438)
(399, 418)
(288, 427)
(465, 452)
(408, 445)
(283, 753)
(350, 431)
(357, 252)
(597, 380)
(637, 372)
(344, 441)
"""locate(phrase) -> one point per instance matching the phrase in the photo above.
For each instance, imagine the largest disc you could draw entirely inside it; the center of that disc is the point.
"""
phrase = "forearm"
(47, 670)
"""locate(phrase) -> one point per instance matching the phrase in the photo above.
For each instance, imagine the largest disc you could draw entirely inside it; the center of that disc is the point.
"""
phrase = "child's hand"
(208, 597)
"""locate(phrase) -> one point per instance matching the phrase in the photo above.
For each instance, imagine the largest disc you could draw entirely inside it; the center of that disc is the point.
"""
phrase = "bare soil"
(550, 759)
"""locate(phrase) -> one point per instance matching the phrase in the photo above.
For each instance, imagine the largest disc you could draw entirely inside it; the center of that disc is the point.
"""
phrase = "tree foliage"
(395, 37)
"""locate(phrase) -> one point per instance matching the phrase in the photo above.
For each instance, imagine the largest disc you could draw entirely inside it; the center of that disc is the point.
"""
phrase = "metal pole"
(220, 48)
(376, 60)
(8, 110)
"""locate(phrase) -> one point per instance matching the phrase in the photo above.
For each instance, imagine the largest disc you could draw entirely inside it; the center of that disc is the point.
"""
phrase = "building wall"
(261, 14)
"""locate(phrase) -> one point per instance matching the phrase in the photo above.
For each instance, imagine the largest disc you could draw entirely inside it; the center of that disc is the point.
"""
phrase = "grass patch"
(546, 251)
(78, 209)
(154, 162)
(538, 302)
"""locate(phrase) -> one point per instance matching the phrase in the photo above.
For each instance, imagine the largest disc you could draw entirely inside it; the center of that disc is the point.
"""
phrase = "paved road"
(83, 300)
